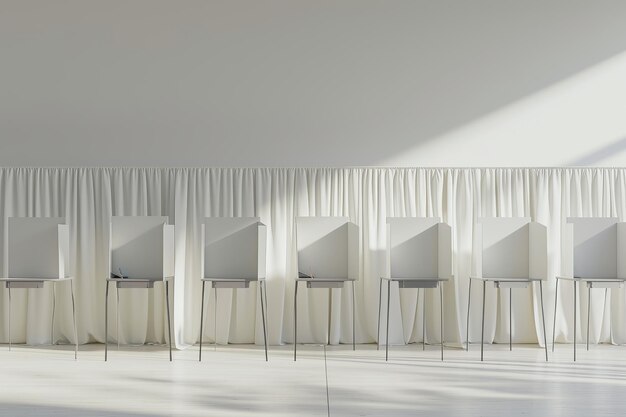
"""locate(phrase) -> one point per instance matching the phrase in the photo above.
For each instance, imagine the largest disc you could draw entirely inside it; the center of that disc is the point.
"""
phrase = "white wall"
(313, 83)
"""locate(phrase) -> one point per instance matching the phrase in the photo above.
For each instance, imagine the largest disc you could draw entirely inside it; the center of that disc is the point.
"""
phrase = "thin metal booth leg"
(261, 285)
(353, 318)
(469, 300)
(169, 319)
(387, 328)
(482, 332)
(201, 321)
(441, 315)
(295, 321)
(106, 322)
(54, 302)
(74, 320)
(556, 298)
(543, 318)
(380, 297)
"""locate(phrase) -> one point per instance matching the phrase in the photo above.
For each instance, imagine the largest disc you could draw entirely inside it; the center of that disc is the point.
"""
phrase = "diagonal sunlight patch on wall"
(609, 151)
(578, 121)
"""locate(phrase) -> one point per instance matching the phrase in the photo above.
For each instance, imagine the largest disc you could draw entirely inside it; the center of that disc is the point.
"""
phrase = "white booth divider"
(418, 247)
(513, 254)
(142, 247)
(141, 252)
(327, 247)
(590, 253)
(37, 247)
(234, 248)
(37, 251)
(327, 251)
(621, 248)
(590, 247)
(512, 247)
(234, 254)
(419, 255)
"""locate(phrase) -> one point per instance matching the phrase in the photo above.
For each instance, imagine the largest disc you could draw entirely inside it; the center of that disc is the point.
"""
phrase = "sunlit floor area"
(236, 381)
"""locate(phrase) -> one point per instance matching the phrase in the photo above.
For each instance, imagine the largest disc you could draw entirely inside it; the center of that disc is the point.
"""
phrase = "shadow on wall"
(601, 154)
(277, 83)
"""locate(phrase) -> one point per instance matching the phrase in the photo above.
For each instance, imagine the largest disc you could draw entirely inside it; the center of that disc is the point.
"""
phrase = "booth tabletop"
(506, 279)
(324, 279)
(140, 279)
(231, 279)
(26, 279)
(590, 279)
(415, 278)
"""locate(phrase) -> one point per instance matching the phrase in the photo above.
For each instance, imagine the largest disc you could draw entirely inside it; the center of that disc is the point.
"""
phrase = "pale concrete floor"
(236, 381)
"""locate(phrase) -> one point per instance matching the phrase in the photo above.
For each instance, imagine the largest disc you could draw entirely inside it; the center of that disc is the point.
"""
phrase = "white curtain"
(87, 197)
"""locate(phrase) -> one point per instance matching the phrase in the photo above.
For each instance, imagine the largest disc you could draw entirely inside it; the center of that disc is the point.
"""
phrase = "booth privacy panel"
(353, 251)
(234, 247)
(445, 251)
(621, 247)
(567, 250)
(327, 247)
(140, 246)
(591, 247)
(169, 250)
(537, 251)
(413, 247)
(37, 247)
(505, 247)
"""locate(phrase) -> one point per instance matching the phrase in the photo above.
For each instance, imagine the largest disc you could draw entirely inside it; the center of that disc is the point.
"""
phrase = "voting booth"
(590, 248)
(141, 253)
(234, 250)
(328, 257)
(590, 254)
(513, 253)
(141, 250)
(233, 255)
(37, 251)
(327, 249)
(418, 255)
(418, 249)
